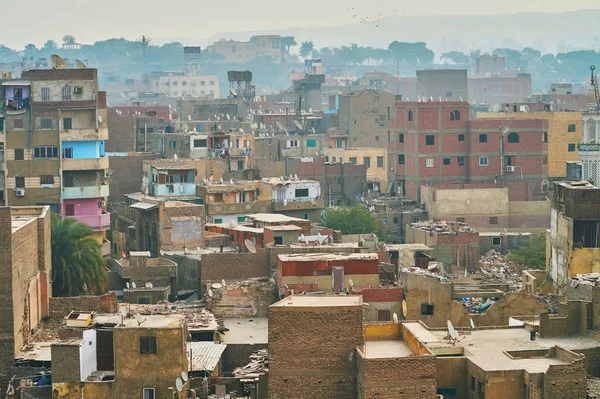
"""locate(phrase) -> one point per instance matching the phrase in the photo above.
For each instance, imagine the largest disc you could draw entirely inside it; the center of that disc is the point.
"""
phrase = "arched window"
(544, 186)
(410, 116)
(513, 137)
(455, 115)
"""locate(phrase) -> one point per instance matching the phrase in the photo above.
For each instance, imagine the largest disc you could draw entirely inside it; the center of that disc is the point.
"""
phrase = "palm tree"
(144, 41)
(306, 48)
(77, 264)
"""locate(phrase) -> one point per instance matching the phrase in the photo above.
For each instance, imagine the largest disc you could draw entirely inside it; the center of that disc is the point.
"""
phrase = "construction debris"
(423, 272)
(443, 227)
(477, 305)
(259, 364)
(496, 268)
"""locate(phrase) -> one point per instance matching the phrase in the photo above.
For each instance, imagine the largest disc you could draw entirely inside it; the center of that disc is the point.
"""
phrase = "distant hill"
(558, 32)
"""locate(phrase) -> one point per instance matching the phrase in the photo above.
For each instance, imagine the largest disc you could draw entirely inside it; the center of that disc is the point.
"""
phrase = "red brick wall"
(379, 294)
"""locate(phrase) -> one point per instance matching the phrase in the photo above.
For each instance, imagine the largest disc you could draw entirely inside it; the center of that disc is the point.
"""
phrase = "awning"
(16, 83)
(144, 206)
(204, 355)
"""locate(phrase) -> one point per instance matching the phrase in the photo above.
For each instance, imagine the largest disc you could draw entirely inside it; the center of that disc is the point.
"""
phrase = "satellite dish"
(179, 384)
(451, 331)
(350, 283)
(161, 252)
(210, 293)
(395, 318)
(79, 64)
(57, 62)
(241, 130)
(298, 125)
(184, 376)
(127, 285)
(133, 286)
(221, 180)
(296, 177)
(148, 285)
(217, 286)
(228, 117)
(100, 118)
(231, 181)
(404, 309)
(472, 323)
(139, 319)
(233, 92)
(223, 283)
(123, 312)
(189, 117)
(250, 245)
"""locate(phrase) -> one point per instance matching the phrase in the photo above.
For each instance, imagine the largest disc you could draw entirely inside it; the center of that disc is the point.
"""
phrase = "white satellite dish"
(184, 376)
(100, 118)
(223, 283)
(212, 179)
(231, 181)
(472, 324)
(179, 384)
(296, 177)
(161, 252)
(133, 286)
(228, 117)
(127, 285)
(241, 130)
(233, 92)
(123, 312)
(148, 285)
(451, 331)
(139, 319)
(79, 64)
(57, 62)
(350, 283)
(395, 318)
(216, 286)
(250, 245)
(210, 293)
(298, 124)
(221, 180)
(404, 309)
(189, 117)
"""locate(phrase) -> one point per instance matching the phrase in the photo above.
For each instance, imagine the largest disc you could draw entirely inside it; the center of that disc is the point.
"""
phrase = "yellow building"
(375, 159)
(565, 130)
(233, 51)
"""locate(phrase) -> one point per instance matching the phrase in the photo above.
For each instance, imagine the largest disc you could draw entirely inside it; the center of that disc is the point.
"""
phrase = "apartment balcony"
(85, 163)
(292, 205)
(84, 134)
(238, 207)
(240, 152)
(96, 222)
(17, 106)
(81, 192)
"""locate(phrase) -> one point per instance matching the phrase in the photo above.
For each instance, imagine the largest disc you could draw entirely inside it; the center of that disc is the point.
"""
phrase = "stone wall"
(65, 363)
(570, 320)
(60, 307)
(238, 355)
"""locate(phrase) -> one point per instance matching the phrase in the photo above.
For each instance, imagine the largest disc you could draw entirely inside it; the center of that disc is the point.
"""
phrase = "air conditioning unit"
(20, 192)
(510, 168)
(101, 204)
(78, 90)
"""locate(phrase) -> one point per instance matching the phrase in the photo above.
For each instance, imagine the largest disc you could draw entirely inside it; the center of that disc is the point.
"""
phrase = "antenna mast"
(594, 83)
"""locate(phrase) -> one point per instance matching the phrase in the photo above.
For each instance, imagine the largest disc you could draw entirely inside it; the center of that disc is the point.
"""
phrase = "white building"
(185, 85)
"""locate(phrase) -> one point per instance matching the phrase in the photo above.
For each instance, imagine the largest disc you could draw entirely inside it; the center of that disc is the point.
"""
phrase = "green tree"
(287, 42)
(456, 57)
(77, 264)
(306, 48)
(69, 40)
(411, 53)
(49, 46)
(144, 42)
(532, 255)
(355, 220)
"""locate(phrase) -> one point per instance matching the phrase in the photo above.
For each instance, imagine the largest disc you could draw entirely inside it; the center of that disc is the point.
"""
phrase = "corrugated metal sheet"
(205, 355)
(144, 206)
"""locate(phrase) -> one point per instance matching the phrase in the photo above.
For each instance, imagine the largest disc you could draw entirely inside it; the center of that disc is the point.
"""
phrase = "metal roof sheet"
(145, 206)
(16, 83)
(205, 355)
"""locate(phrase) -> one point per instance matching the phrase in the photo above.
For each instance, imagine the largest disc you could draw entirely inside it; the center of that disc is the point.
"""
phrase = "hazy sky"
(199, 19)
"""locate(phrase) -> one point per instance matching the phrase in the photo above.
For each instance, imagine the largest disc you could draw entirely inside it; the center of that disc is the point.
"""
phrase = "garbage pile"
(496, 267)
(551, 300)
(259, 364)
(443, 227)
(477, 305)
(423, 272)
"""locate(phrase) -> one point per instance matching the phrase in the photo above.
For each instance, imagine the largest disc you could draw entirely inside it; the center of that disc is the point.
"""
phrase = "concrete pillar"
(596, 307)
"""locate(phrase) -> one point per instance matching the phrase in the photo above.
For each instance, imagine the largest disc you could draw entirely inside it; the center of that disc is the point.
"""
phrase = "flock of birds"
(369, 20)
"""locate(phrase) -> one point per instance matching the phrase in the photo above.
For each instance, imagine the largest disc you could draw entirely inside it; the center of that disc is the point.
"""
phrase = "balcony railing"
(79, 192)
(96, 222)
(583, 147)
(90, 133)
(85, 163)
(238, 207)
(280, 205)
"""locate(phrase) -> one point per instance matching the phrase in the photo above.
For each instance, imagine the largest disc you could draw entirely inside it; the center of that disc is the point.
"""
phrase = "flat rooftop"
(147, 321)
(20, 221)
(246, 330)
(273, 218)
(313, 257)
(325, 301)
(276, 181)
(386, 349)
(289, 227)
(579, 185)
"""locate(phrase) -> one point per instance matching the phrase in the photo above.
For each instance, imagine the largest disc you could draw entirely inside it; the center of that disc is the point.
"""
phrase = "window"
(410, 116)
(400, 159)
(430, 139)
(389, 136)
(429, 163)
(147, 344)
(150, 130)
(45, 152)
(513, 137)
(311, 143)
(448, 94)
(301, 192)
(46, 123)
(483, 138)
(376, 138)
(461, 161)
(19, 154)
(68, 152)
(571, 147)
(446, 161)
(45, 93)
(66, 93)
(292, 144)
(46, 179)
(380, 162)
(367, 162)
(401, 138)
(473, 384)
(172, 144)
(545, 137)
(509, 160)
(17, 123)
(19, 182)
(352, 160)
(278, 240)
(427, 309)
(493, 220)
(175, 83)
(202, 83)
(454, 115)
(148, 393)
(67, 123)
(306, 216)
(241, 219)
(184, 83)
(572, 128)
(460, 220)
(218, 221)
(495, 240)
(461, 137)
(167, 84)
(143, 301)
(199, 143)
(483, 161)
(340, 144)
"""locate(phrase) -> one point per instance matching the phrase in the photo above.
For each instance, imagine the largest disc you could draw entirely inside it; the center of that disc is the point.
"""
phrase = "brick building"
(131, 127)
(444, 84)
(126, 174)
(25, 276)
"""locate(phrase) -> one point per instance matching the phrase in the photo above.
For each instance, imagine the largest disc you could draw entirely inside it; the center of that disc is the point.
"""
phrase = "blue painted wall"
(85, 149)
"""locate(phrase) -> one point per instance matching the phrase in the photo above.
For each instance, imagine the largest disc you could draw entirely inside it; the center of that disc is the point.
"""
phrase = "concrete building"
(375, 159)
(383, 301)
(231, 202)
(182, 84)
(132, 127)
(564, 131)
(273, 219)
(203, 110)
(486, 209)
(499, 89)
(26, 279)
(293, 197)
(486, 64)
(573, 247)
(444, 84)
(237, 52)
(330, 272)
(138, 268)
(54, 144)
(589, 148)
(454, 244)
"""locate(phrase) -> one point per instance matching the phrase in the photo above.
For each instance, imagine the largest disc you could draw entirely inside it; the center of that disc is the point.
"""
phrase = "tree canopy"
(355, 220)
(77, 264)
(306, 49)
(532, 255)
